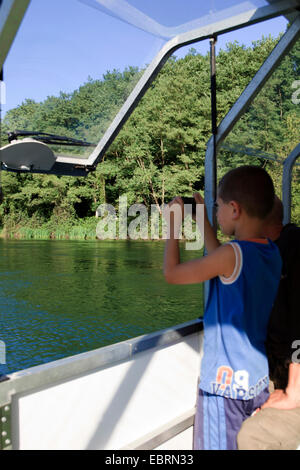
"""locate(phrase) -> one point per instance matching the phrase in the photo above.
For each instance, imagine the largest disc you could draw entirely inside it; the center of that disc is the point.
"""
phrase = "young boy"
(244, 276)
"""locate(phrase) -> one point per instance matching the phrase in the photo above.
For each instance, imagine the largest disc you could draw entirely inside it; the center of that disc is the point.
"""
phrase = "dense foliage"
(160, 151)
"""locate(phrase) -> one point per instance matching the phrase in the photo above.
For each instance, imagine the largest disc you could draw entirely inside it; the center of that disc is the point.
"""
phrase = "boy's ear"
(236, 209)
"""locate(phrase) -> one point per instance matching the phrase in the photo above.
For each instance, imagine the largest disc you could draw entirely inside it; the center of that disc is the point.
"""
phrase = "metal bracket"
(5, 427)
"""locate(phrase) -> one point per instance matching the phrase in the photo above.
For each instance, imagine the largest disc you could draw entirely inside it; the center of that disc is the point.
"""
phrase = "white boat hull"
(138, 394)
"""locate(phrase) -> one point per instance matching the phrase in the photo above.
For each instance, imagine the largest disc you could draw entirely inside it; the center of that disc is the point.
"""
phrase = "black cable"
(214, 115)
(50, 139)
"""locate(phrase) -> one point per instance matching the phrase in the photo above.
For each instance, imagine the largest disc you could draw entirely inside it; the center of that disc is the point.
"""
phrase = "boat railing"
(136, 394)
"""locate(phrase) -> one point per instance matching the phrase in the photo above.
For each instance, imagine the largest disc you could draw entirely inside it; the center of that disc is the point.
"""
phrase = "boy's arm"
(290, 397)
(220, 261)
(210, 239)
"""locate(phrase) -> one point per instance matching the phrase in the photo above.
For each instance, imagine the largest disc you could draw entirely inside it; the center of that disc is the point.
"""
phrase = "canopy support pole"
(287, 183)
(213, 83)
(238, 109)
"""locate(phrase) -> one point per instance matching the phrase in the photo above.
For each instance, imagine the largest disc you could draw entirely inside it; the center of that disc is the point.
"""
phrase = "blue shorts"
(218, 419)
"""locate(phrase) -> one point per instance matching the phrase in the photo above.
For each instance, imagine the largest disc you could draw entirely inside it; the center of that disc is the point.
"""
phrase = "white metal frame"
(230, 24)
(104, 387)
(11, 16)
(238, 109)
(81, 167)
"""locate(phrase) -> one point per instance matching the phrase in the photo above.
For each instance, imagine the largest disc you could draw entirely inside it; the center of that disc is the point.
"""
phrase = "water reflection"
(60, 298)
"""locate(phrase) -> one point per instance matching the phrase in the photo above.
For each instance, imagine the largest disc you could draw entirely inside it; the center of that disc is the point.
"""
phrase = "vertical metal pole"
(210, 192)
(213, 88)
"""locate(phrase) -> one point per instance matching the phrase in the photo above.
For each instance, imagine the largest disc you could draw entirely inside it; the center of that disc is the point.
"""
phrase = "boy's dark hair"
(250, 186)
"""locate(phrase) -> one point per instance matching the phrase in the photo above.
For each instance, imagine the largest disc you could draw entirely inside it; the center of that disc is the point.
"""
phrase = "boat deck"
(137, 394)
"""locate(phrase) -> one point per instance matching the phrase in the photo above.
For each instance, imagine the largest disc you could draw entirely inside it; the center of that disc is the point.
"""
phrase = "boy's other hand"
(174, 214)
(199, 200)
(172, 204)
(176, 200)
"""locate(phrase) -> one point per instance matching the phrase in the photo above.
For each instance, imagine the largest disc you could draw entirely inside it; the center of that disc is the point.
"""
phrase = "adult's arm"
(289, 398)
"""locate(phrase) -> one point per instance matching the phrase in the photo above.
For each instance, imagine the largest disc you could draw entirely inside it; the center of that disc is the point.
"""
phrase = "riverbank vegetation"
(160, 151)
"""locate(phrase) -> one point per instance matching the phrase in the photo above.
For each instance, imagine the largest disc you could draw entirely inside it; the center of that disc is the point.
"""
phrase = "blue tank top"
(236, 317)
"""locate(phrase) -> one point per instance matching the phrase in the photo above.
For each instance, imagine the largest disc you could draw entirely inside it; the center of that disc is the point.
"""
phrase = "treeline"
(160, 151)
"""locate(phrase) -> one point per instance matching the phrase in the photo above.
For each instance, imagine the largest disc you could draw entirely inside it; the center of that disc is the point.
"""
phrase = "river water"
(60, 298)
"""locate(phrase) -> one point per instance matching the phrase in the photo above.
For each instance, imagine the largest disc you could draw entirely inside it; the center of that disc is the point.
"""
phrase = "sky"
(61, 43)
